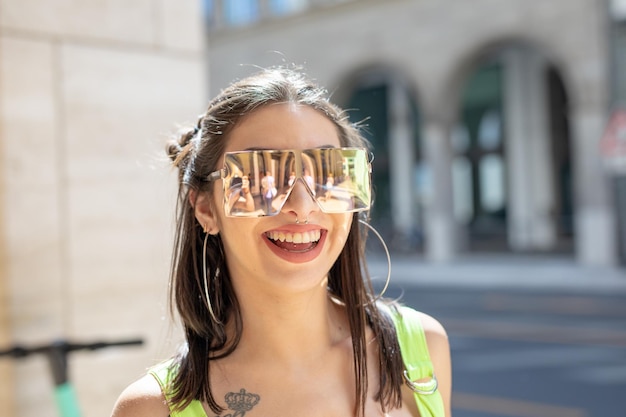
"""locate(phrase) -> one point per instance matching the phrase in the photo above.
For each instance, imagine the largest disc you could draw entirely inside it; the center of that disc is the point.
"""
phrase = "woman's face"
(256, 255)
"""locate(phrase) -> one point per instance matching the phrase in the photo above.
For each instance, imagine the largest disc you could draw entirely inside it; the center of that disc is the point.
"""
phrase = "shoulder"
(143, 398)
(432, 327)
(434, 331)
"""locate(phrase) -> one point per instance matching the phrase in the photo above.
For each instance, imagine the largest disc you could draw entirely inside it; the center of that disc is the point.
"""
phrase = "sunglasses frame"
(224, 175)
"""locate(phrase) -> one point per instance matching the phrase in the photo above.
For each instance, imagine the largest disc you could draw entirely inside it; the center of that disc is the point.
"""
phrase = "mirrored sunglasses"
(258, 182)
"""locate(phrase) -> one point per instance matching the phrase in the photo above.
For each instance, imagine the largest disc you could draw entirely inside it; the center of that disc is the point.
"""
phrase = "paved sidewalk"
(503, 271)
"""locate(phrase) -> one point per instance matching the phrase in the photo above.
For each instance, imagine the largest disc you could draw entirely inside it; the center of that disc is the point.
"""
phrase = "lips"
(296, 245)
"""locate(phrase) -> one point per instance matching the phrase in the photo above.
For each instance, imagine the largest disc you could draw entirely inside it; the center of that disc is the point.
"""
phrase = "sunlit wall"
(89, 92)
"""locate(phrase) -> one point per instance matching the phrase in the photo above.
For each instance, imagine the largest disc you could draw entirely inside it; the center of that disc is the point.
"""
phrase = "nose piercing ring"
(306, 221)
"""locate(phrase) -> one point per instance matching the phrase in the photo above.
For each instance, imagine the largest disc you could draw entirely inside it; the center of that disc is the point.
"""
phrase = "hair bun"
(177, 149)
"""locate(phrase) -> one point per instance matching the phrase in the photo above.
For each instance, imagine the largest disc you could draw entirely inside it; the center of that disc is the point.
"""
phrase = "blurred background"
(499, 174)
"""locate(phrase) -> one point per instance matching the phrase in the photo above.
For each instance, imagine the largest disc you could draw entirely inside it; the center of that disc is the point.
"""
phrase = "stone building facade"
(89, 92)
(485, 115)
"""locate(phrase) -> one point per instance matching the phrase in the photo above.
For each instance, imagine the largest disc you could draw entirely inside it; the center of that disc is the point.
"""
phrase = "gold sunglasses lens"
(257, 183)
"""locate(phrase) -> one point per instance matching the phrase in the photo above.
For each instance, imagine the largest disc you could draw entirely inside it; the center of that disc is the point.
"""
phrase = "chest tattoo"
(240, 403)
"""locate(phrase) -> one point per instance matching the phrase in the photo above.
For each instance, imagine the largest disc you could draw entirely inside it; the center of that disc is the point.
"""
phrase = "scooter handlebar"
(20, 351)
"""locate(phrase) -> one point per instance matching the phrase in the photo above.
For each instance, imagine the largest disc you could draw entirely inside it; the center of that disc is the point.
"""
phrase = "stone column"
(594, 218)
(402, 152)
(218, 15)
(264, 9)
(439, 222)
(531, 224)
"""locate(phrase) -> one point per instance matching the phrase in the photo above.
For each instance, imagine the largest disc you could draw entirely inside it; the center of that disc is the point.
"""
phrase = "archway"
(512, 171)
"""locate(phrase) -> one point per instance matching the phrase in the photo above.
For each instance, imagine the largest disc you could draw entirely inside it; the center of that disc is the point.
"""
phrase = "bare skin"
(295, 354)
(282, 386)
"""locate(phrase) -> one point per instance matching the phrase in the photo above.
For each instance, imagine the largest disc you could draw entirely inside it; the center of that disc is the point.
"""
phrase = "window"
(489, 132)
(240, 12)
(491, 173)
(286, 7)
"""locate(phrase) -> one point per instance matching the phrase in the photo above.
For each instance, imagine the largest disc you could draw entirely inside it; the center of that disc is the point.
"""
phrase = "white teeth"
(298, 237)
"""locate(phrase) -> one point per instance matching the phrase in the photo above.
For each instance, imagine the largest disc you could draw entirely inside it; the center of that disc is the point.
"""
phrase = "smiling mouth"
(295, 242)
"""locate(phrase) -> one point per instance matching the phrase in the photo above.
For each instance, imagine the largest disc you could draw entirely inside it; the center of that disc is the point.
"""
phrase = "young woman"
(278, 312)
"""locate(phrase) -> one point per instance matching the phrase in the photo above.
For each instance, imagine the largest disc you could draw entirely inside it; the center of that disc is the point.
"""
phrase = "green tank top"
(419, 374)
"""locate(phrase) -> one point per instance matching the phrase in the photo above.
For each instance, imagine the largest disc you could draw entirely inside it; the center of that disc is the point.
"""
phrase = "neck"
(291, 326)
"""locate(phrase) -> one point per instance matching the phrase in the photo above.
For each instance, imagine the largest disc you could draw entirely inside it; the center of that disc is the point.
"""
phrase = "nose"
(300, 202)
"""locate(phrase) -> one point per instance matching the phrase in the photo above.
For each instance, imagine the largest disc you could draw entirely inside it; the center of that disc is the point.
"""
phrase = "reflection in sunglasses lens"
(257, 183)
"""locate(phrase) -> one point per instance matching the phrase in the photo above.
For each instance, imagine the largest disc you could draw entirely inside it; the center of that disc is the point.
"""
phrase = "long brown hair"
(196, 154)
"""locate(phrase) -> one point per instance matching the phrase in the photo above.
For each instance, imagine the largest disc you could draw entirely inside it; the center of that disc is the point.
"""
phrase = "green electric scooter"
(57, 354)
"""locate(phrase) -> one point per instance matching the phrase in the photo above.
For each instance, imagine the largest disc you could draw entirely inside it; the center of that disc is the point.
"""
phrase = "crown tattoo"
(241, 401)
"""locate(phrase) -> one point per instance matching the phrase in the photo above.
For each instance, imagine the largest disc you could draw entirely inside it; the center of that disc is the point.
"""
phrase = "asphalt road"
(530, 353)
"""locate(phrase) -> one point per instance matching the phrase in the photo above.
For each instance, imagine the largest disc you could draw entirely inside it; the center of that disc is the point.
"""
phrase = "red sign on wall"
(613, 143)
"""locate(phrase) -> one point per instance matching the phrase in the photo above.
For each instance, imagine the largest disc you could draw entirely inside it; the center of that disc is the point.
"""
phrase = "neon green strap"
(164, 374)
(419, 369)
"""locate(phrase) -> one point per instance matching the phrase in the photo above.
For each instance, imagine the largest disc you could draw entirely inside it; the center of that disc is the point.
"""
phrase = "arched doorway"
(478, 167)
(512, 175)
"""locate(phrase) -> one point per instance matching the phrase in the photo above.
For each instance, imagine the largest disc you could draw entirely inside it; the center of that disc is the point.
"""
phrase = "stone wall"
(89, 92)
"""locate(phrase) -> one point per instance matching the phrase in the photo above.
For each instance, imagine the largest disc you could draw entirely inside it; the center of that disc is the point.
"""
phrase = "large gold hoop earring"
(371, 228)
(206, 279)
